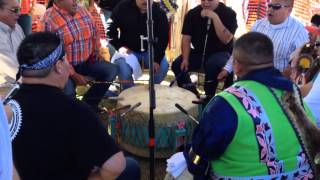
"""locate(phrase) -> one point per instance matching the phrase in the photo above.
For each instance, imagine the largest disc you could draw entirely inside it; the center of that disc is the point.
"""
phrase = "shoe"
(111, 94)
(194, 90)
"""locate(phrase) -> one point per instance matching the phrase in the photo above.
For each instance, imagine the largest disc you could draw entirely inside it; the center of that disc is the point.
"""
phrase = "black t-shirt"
(127, 18)
(60, 138)
(196, 26)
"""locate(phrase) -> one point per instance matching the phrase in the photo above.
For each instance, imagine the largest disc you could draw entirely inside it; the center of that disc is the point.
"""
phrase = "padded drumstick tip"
(186, 113)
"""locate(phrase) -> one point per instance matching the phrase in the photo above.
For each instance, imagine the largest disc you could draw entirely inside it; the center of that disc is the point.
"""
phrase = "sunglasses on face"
(276, 6)
(14, 10)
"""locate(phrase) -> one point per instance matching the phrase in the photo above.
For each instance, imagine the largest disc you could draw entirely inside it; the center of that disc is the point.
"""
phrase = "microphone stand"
(152, 97)
(205, 43)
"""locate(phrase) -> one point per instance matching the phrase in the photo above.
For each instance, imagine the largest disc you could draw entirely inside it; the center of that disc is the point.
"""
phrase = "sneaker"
(111, 94)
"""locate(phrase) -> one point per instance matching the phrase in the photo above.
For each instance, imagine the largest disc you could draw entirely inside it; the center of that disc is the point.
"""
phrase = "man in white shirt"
(286, 33)
(11, 36)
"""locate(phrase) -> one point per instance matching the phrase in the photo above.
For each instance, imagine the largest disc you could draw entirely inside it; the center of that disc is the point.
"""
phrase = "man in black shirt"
(56, 136)
(128, 20)
(107, 7)
(207, 37)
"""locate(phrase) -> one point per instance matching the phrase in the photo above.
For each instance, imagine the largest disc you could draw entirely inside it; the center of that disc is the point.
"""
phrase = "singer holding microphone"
(207, 38)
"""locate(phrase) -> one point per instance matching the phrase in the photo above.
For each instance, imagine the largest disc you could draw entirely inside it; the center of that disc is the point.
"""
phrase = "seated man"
(248, 131)
(11, 36)
(207, 37)
(81, 41)
(125, 30)
(59, 137)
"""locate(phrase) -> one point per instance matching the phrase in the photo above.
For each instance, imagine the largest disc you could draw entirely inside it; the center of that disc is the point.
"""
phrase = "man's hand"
(156, 67)
(184, 65)
(124, 50)
(104, 54)
(208, 13)
(79, 79)
(222, 75)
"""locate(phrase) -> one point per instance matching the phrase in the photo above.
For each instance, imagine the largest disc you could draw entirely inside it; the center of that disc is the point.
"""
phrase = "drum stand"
(152, 98)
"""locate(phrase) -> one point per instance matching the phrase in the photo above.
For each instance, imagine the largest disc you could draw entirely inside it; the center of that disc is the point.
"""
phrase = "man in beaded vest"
(247, 131)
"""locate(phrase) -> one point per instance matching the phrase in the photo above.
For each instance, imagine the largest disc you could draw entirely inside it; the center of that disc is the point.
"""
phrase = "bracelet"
(195, 158)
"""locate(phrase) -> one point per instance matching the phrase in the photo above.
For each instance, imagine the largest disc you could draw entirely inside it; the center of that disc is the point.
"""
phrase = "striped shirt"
(286, 38)
(78, 32)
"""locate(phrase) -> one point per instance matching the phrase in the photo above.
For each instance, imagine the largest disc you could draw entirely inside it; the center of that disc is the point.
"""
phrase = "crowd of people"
(254, 129)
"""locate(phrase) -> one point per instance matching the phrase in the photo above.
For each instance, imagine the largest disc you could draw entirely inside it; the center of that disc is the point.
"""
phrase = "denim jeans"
(212, 66)
(132, 170)
(25, 22)
(125, 71)
(100, 71)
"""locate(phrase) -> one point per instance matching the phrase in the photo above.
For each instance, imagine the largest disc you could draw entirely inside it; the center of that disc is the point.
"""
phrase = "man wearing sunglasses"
(11, 36)
(286, 33)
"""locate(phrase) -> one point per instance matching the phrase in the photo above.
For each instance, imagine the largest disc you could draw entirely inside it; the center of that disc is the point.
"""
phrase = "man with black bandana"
(58, 137)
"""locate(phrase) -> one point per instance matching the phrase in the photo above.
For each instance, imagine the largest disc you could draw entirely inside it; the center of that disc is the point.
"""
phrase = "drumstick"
(121, 108)
(91, 82)
(114, 98)
(186, 113)
(130, 109)
(11, 93)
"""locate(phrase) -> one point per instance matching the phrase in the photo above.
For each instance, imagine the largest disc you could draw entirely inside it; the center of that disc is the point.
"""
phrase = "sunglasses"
(276, 6)
(15, 10)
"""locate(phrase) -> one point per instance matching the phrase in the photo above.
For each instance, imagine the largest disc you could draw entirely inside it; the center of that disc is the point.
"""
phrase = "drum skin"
(170, 123)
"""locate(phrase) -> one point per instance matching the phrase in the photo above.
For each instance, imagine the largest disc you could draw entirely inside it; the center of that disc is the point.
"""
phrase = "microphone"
(11, 93)
(186, 113)
(208, 24)
(130, 109)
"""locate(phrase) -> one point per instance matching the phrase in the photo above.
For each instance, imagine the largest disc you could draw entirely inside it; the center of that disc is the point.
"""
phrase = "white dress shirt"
(10, 40)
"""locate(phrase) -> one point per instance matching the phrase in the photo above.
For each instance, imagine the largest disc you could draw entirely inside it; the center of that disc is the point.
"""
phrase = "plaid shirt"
(97, 17)
(78, 32)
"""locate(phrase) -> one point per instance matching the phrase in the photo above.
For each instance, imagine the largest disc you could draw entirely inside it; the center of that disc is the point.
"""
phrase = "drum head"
(166, 98)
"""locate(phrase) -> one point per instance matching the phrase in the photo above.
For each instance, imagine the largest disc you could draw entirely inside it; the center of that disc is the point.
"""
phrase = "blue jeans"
(125, 71)
(25, 21)
(132, 170)
(212, 66)
(101, 71)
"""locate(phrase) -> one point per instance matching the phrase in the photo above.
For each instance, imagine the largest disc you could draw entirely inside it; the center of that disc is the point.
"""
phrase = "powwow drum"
(172, 127)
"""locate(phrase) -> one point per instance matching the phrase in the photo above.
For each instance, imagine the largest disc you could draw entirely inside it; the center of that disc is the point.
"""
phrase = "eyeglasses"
(276, 6)
(14, 10)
